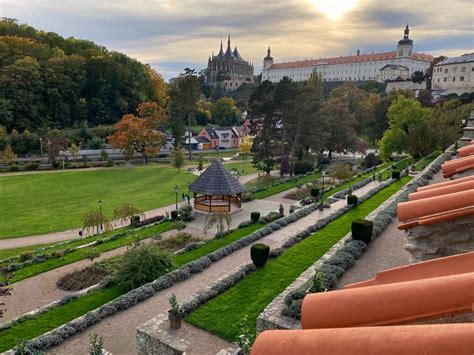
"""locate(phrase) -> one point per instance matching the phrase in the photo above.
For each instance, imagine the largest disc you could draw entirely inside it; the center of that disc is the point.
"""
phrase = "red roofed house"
(346, 68)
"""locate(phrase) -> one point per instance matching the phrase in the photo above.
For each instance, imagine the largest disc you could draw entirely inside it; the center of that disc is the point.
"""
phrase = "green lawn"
(424, 162)
(56, 317)
(33, 204)
(223, 314)
(81, 254)
(214, 244)
(275, 189)
(247, 166)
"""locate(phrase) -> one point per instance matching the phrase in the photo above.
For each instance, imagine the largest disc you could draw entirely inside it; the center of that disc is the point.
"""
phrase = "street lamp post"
(217, 150)
(176, 189)
(100, 211)
(41, 146)
(321, 205)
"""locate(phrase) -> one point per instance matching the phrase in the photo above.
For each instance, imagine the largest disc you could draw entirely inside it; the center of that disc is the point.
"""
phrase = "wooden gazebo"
(216, 189)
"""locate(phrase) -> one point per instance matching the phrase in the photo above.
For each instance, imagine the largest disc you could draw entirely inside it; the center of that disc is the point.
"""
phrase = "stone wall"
(154, 338)
(441, 239)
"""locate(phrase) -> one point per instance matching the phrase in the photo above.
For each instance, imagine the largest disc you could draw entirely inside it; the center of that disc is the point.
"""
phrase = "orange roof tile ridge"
(449, 265)
(390, 304)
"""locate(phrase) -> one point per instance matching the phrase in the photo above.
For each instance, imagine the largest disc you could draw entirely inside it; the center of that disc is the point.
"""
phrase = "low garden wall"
(283, 311)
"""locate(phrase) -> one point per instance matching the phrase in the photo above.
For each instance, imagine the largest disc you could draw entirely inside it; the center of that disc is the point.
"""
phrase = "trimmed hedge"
(255, 216)
(352, 200)
(259, 254)
(362, 230)
(396, 174)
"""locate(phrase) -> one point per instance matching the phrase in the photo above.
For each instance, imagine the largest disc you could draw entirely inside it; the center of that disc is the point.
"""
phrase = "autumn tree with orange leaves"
(140, 134)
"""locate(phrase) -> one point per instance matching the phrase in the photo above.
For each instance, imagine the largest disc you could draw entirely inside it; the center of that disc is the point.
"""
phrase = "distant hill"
(50, 81)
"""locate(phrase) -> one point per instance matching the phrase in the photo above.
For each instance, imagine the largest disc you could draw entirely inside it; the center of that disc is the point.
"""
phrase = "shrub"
(143, 264)
(362, 230)
(315, 192)
(396, 174)
(371, 160)
(179, 225)
(294, 309)
(342, 259)
(186, 213)
(33, 166)
(174, 215)
(135, 220)
(355, 248)
(318, 285)
(302, 167)
(271, 216)
(13, 167)
(255, 216)
(27, 255)
(259, 254)
(352, 200)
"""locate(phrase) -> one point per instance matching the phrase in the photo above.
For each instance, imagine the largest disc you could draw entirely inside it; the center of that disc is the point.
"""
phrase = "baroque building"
(228, 69)
(375, 66)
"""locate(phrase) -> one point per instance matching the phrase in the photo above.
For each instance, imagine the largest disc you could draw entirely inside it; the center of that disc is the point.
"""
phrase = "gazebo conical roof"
(216, 180)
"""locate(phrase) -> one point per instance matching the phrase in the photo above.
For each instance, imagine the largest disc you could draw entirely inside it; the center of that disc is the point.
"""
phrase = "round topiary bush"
(255, 216)
(174, 215)
(259, 254)
(396, 174)
(352, 200)
(315, 191)
(143, 264)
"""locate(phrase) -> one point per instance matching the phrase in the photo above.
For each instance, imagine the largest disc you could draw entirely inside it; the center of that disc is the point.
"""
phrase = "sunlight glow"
(334, 9)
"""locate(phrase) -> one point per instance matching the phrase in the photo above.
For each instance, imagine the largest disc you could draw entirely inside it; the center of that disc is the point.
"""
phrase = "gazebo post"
(210, 204)
(228, 199)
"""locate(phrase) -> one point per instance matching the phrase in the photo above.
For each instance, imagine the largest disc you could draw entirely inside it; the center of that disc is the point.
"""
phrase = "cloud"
(174, 34)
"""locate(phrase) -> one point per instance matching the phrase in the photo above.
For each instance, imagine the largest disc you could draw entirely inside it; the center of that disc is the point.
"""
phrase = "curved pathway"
(73, 233)
(118, 330)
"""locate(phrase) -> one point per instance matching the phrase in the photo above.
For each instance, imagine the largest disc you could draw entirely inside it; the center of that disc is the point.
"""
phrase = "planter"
(175, 322)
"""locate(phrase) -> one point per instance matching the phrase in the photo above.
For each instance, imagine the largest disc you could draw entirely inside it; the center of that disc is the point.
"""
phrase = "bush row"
(28, 258)
(332, 269)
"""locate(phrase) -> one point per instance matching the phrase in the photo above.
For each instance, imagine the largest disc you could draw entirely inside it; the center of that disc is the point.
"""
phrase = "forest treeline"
(48, 81)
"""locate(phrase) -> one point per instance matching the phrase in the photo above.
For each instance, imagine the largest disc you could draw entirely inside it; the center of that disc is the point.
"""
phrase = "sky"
(171, 35)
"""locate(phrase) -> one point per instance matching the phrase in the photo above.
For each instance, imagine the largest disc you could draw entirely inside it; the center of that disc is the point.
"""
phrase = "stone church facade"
(354, 67)
(228, 69)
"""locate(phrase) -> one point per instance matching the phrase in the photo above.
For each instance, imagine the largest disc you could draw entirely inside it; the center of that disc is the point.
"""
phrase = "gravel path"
(386, 252)
(118, 330)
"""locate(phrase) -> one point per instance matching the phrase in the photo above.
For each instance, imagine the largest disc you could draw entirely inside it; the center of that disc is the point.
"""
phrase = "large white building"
(455, 75)
(354, 67)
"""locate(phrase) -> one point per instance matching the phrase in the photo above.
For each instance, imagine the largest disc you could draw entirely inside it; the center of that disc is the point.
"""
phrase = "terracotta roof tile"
(389, 304)
(438, 339)
(449, 265)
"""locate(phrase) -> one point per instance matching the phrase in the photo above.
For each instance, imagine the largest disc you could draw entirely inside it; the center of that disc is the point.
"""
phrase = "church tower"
(405, 45)
(268, 60)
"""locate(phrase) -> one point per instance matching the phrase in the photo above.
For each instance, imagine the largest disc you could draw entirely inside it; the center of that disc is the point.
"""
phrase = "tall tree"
(410, 129)
(341, 125)
(264, 126)
(140, 134)
(225, 112)
(183, 105)
(178, 157)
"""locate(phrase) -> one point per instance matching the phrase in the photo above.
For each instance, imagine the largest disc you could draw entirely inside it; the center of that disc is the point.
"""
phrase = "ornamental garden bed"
(223, 314)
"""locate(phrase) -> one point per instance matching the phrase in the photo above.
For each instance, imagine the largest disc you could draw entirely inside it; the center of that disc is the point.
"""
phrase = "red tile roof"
(348, 59)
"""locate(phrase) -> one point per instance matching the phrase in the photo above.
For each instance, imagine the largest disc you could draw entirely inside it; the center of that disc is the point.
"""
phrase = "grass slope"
(223, 314)
(42, 203)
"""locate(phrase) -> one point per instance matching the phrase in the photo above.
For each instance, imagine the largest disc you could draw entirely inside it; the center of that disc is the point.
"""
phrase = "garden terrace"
(51, 319)
(223, 314)
(64, 258)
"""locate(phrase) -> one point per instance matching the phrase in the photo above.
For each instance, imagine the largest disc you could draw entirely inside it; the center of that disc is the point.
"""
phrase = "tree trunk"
(189, 136)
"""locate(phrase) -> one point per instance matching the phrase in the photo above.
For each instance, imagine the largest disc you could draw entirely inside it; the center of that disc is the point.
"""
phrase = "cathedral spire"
(221, 52)
(407, 32)
(228, 40)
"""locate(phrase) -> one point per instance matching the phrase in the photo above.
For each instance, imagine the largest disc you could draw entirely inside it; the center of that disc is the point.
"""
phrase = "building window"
(463, 69)
(455, 69)
(445, 79)
(454, 78)
(445, 71)
(461, 78)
